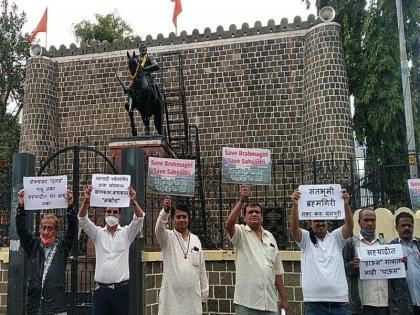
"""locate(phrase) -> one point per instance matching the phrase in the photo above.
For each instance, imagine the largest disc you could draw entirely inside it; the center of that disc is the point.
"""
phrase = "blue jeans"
(326, 308)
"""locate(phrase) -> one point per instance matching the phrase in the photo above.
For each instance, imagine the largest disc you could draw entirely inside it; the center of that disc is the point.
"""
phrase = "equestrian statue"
(143, 92)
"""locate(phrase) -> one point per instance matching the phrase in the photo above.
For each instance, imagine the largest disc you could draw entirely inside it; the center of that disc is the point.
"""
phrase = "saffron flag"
(177, 10)
(41, 27)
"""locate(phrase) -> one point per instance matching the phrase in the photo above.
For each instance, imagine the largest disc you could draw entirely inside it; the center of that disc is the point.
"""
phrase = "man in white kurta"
(184, 282)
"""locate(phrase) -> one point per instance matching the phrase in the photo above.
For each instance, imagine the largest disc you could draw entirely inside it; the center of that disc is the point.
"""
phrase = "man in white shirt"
(324, 285)
(184, 282)
(112, 244)
(368, 297)
(259, 269)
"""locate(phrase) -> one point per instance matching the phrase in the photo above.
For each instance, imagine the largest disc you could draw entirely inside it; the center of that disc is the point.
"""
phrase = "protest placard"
(45, 192)
(381, 261)
(414, 189)
(171, 176)
(321, 202)
(246, 166)
(110, 190)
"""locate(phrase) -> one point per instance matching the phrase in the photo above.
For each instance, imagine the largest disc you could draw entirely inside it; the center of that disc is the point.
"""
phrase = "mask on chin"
(369, 232)
(111, 221)
(47, 240)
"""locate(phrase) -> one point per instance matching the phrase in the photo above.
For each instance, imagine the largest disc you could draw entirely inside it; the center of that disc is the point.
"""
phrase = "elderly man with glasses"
(112, 244)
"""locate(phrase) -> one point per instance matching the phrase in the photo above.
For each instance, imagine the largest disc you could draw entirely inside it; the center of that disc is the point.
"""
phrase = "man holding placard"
(369, 288)
(259, 269)
(324, 283)
(47, 257)
(184, 282)
(112, 244)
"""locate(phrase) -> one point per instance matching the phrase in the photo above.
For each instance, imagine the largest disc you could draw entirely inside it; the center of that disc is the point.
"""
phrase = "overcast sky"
(155, 16)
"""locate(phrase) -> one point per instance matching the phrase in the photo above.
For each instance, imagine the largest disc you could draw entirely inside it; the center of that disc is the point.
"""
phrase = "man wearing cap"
(112, 244)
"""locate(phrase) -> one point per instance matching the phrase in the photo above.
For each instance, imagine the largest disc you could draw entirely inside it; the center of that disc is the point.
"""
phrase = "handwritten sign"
(321, 202)
(246, 166)
(110, 190)
(171, 176)
(381, 262)
(414, 189)
(45, 192)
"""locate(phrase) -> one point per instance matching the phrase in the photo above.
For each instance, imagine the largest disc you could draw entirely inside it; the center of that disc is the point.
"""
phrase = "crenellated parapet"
(184, 38)
(281, 86)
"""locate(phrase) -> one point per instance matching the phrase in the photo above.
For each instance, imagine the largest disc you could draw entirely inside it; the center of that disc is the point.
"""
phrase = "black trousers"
(372, 310)
(416, 310)
(108, 301)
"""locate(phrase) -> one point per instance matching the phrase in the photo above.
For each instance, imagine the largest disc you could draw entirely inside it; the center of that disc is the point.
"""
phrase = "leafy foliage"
(107, 27)
(14, 51)
(371, 49)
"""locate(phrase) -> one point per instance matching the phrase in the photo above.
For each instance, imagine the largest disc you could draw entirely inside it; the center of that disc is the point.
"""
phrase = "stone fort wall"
(281, 86)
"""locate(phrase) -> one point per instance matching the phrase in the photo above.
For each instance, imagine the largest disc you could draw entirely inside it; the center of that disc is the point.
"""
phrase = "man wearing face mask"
(112, 244)
(367, 297)
(259, 269)
(47, 257)
(184, 282)
(324, 284)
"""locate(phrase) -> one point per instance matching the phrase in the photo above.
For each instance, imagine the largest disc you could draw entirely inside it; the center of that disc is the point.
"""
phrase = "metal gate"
(78, 162)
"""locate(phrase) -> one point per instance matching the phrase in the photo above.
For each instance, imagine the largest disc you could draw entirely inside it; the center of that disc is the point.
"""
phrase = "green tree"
(14, 51)
(107, 27)
(371, 49)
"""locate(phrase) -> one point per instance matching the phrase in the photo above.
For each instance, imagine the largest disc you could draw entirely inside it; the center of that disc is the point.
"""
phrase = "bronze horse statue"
(144, 95)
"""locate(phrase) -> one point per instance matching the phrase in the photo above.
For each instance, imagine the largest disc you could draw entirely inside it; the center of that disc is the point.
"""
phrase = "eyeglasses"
(112, 211)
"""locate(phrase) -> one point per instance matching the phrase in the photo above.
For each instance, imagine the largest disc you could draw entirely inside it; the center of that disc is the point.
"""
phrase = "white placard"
(45, 192)
(110, 190)
(381, 262)
(321, 202)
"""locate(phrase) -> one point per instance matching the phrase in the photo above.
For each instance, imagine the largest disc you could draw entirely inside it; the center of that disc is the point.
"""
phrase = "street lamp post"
(409, 125)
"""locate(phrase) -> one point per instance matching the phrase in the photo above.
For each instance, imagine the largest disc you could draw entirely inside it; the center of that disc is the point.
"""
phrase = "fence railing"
(371, 182)
(5, 201)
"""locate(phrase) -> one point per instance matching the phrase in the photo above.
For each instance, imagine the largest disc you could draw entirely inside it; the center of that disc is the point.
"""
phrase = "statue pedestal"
(155, 146)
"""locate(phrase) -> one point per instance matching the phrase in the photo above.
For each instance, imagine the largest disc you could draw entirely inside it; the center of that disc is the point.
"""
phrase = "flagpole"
(46, 31)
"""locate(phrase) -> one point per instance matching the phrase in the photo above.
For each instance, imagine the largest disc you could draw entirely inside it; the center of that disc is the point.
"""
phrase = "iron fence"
(380, 182)
(5, 201)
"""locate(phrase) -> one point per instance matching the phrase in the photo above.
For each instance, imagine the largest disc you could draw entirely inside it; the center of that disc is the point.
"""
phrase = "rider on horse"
(149, 65)
(143, 92)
